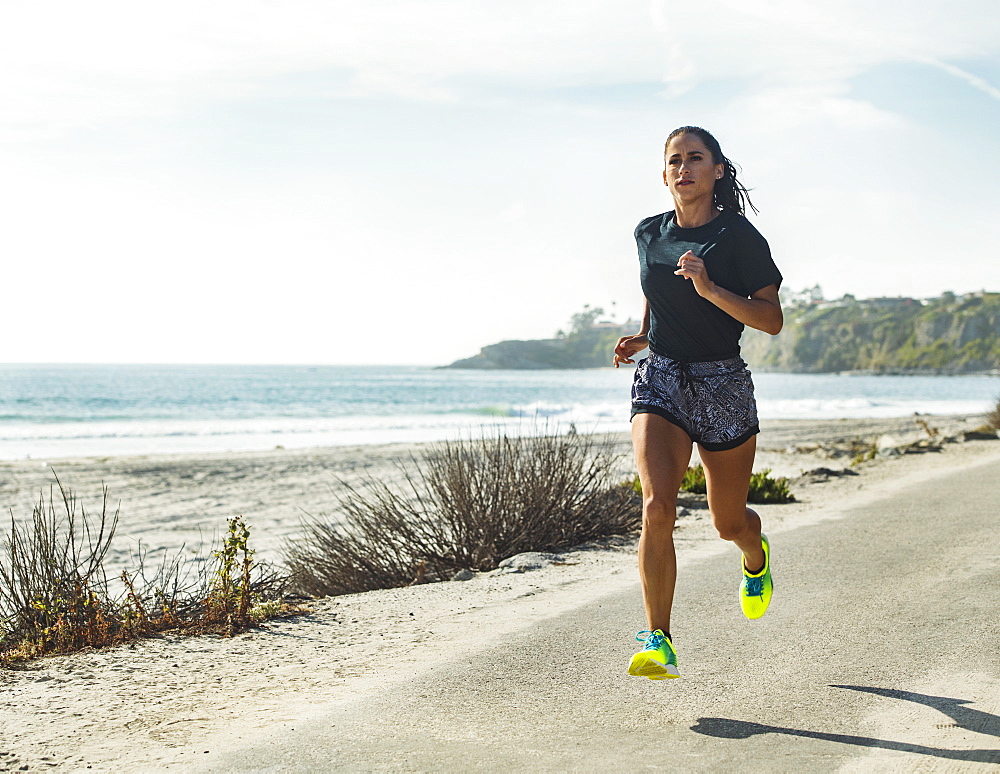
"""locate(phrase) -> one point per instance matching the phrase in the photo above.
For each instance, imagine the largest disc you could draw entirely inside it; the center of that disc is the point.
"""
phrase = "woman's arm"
(644, 330)
(627, 346)
(761, 311)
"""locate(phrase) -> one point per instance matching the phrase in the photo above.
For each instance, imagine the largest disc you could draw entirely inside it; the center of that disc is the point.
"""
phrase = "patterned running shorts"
(712, 402)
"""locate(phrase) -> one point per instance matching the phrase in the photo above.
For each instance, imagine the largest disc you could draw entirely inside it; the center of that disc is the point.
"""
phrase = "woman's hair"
(730, 193)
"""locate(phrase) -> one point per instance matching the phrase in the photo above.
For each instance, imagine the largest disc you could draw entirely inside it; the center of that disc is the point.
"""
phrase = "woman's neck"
(695, 214)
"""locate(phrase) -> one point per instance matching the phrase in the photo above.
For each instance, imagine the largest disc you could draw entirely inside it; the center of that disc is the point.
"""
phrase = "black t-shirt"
(683, 325)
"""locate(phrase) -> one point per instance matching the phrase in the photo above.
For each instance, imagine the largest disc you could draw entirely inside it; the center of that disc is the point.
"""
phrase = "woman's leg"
(662, 454)
(727, 475)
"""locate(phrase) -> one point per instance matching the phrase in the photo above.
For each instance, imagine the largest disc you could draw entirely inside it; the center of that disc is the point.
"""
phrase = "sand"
(165, 702)
(182, 501)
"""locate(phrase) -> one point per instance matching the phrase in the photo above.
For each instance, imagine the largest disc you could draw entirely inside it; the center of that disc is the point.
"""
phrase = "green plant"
(764, 489)
(229, 593)
(865, 455)
(633, 485)
(262, 610)
(694, 480)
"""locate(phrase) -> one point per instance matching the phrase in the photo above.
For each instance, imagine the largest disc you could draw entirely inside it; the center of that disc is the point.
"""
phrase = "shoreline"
(268, 408)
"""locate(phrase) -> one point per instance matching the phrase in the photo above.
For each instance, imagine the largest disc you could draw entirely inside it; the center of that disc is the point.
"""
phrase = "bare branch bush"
(53, 588)
(56, 597)
(466, 505)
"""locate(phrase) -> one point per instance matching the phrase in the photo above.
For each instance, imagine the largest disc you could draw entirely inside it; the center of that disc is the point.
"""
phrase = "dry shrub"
(53, 588)
(55, 595)
(466, 505)
(993, 416)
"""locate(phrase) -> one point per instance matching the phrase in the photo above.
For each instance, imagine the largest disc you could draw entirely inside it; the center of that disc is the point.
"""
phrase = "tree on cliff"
(581, 322)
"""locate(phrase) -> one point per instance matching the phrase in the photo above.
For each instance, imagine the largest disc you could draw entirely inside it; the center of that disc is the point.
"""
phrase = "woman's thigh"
(662, 454)
(727, 477)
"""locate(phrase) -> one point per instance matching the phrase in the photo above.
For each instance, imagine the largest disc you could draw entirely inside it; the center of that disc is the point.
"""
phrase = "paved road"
(881, 652)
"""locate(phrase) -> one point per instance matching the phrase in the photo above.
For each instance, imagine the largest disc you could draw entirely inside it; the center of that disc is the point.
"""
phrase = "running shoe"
(755, 591)
(658, 660)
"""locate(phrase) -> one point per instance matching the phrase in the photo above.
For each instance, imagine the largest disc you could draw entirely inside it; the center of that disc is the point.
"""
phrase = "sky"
(403, 183)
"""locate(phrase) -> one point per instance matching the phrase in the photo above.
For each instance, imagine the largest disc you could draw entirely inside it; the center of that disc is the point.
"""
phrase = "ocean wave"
(296, 408)
(485, 411)
(862, 408)
(141, 437)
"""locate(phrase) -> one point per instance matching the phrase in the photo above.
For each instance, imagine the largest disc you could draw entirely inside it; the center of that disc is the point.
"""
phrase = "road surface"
(881, 651)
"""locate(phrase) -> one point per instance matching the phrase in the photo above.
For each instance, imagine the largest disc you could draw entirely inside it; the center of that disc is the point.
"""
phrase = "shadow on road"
(964, 717)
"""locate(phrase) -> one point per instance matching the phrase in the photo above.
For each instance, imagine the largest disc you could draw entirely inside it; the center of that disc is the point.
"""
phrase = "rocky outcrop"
(542, 353)
(589, 348)
(942, 335)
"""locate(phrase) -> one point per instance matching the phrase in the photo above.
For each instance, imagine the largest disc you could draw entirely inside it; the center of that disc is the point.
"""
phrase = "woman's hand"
(627, 346)
(693, 268)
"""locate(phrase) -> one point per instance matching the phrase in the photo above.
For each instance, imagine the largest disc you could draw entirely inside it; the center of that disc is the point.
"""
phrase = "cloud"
(795, 106)
(796, 60)
(72, 64)
(973, 80)
(79, 64)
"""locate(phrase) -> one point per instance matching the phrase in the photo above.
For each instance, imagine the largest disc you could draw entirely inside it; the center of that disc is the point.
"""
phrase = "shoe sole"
(644, 666)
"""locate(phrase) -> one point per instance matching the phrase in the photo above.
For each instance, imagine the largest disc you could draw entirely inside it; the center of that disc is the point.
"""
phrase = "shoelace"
(755, 587)
(653, 640)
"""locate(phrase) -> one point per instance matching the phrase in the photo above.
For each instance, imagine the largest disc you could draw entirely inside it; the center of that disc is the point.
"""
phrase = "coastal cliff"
(589, 349)
(589, 343)
(947, 334)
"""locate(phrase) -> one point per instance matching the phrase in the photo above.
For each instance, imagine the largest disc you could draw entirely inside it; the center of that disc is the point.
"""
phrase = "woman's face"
(689, 172)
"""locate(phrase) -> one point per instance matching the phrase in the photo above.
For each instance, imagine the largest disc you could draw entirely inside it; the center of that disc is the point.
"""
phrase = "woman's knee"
(659, 512)
(730, 526)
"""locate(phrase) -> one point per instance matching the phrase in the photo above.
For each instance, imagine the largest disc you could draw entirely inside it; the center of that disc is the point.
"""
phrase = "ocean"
(53, 411)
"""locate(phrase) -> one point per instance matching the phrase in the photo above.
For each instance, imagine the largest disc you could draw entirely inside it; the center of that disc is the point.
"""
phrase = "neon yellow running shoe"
(658, 660)
(755, 591)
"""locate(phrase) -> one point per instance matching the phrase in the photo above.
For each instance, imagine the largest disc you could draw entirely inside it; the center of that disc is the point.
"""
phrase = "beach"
(172, 502)
(175, 701)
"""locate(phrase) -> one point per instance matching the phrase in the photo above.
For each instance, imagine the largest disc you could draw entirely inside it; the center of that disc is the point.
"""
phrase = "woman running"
(706, 272)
